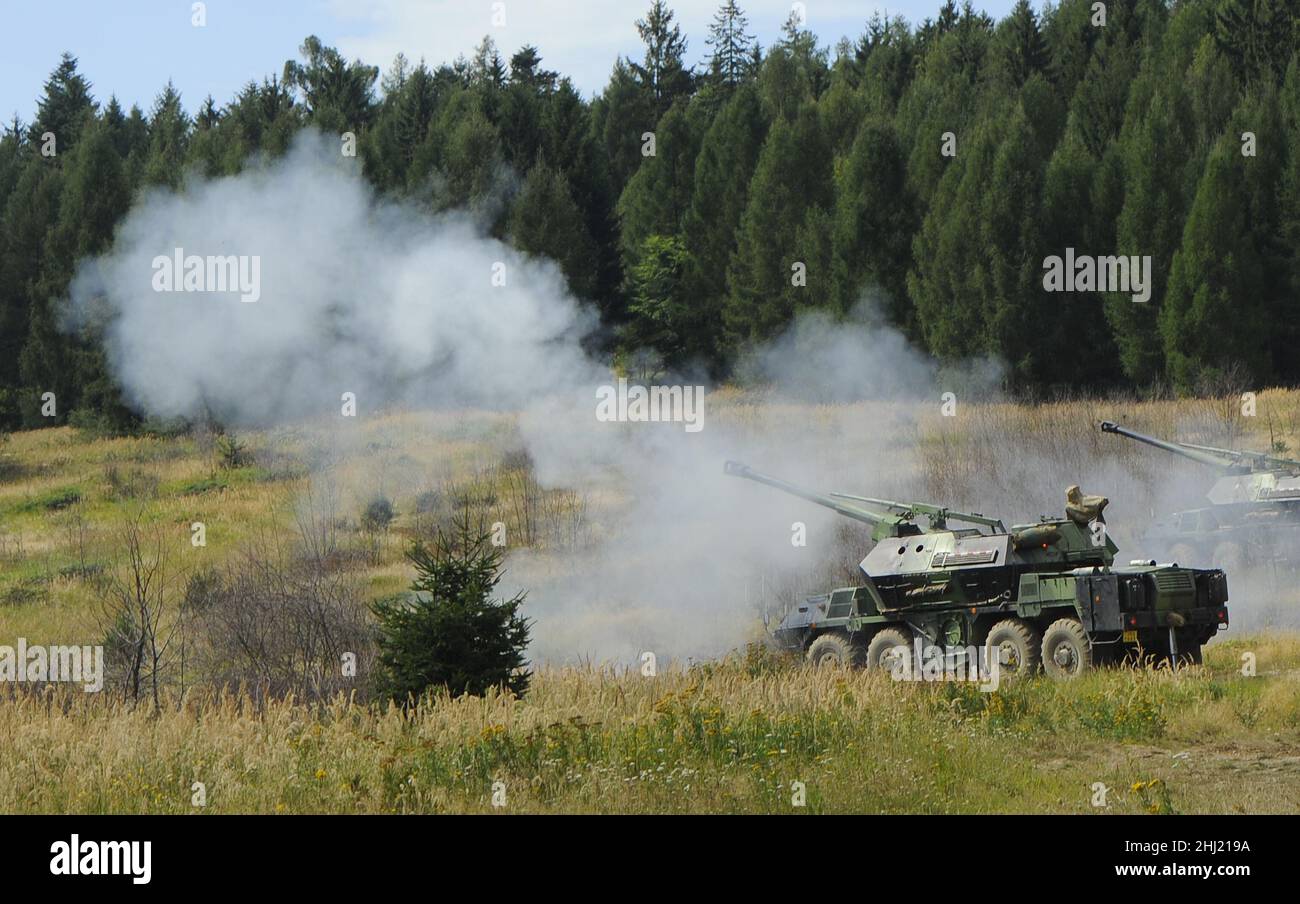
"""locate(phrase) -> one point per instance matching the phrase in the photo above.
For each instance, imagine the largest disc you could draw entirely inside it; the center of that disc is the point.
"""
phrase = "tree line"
(929, 169)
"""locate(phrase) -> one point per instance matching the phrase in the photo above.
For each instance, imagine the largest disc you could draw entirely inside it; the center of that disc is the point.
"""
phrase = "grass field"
(733, 736)
(729, 735)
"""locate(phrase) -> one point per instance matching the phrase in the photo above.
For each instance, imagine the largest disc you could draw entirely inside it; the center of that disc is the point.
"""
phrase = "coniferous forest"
(930, 168)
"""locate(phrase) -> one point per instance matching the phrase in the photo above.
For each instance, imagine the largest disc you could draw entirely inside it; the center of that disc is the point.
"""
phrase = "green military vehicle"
(1041, 595)
(1253, 518)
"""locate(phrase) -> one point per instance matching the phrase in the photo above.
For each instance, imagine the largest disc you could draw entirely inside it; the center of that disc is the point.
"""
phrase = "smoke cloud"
(381, 299)
(357, 295)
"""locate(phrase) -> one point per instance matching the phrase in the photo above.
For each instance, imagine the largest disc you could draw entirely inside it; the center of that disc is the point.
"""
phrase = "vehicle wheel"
(882, 652)
(1017, 645)
(835, 650)
(1067, 650)
(1229, 557)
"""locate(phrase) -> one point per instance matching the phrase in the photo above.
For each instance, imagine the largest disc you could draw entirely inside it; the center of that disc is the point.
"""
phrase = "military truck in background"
(1042, 595)
(1254, 514)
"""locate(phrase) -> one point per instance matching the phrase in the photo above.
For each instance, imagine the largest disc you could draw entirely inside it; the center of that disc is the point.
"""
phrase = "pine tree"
(65, 106)
(874, 222)
(526, 69)
(1214, 321)
(662, 315)
(792, 176)
(658, 195)
(950, 282)
(1155, 150)
(1021, 49)
(730, 60)
(545, 221)
(169, 135)
(338, 95)
(471, 159)
(451, 634)
(724, 168)
(662, 72)
(621, 116)
(1257, 36)
(1288, 332)
(487, 70)
(32, 363)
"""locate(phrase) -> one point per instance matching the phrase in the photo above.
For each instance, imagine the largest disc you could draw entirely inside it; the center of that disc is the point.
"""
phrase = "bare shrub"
(522, 499)
(564, 513)
(279, 622)
(130, 483)
(142, 618)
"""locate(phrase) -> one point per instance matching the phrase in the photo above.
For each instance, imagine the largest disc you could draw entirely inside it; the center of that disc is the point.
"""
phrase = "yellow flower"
(320, 773)
(1138, 786)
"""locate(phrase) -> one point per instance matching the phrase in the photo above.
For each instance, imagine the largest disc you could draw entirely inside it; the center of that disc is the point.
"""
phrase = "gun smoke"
(379, 298)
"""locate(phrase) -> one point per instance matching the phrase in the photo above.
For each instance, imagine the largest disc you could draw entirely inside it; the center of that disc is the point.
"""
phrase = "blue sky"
(132, 47)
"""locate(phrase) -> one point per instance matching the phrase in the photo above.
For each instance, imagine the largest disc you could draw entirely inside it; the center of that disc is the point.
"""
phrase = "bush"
(278, 622)
(231, 453)
(451, 634)
(378, 515)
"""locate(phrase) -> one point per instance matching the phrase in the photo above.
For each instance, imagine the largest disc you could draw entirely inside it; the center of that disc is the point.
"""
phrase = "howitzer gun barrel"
(1221, 461)
(857, 513)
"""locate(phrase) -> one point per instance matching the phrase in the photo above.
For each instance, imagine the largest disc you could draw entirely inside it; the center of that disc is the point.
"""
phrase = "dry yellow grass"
(729, 736)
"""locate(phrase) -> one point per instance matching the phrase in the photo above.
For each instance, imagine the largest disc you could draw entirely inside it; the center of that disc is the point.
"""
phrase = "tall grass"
(731, 736)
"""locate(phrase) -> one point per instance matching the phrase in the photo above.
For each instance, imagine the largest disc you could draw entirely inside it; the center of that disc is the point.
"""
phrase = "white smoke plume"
(382, 299)
(357, 295)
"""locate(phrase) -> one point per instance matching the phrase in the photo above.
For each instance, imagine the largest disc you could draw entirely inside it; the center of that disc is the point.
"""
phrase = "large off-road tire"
(1066, 650)
(881, 652)
(835, 650)
(1017, 646)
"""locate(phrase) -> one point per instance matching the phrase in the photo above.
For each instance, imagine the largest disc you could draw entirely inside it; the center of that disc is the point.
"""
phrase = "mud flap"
(1097, 598)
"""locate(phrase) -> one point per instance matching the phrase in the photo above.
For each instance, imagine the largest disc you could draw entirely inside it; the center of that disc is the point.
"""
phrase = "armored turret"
(1254, 512)
(1043, 593)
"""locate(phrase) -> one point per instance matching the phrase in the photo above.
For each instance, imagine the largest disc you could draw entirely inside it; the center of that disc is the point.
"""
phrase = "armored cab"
(1046, 594)
(1254, 511)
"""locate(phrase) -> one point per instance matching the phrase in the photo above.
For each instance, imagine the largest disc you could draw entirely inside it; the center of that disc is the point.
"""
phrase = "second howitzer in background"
(1254, 511)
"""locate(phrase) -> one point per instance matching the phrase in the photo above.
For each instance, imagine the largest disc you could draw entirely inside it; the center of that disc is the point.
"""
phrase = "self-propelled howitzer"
(1254, 512)
(1045, 593)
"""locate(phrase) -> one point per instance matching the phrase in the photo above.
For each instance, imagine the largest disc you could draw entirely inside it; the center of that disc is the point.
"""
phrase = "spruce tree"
(1214, 322)
(662, 71)
(874, 221)
(793, 174)
(724, 168)
(545, 221)
(732, 47)
(450, 634)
